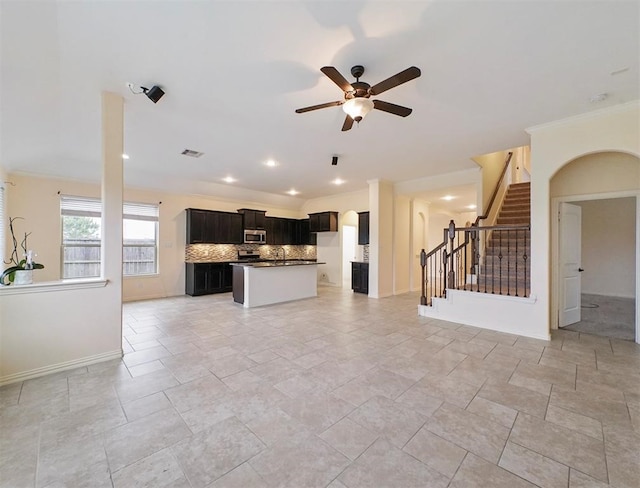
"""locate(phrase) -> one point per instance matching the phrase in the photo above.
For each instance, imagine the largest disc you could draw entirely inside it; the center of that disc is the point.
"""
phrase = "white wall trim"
(47, 286)
(55, 368)
(555, 248)
(615, 109)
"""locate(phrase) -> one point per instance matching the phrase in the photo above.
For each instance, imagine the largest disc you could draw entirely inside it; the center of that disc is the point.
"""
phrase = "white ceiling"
(235, 71)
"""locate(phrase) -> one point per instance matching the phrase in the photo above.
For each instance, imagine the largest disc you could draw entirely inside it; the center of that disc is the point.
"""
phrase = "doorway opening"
(597, 249)
(349, 252)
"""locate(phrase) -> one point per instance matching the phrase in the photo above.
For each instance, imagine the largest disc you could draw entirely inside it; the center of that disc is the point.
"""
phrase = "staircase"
(506, 265)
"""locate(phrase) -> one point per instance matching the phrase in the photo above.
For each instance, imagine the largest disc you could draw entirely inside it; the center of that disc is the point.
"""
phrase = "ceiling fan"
(357, 102)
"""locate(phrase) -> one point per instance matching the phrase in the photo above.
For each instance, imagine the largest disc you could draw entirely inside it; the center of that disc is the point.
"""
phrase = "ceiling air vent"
(191, 153)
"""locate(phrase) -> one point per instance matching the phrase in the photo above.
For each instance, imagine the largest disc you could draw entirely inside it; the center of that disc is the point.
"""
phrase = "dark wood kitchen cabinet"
(360, 277)
(213, 227)
(253, 219)
(363, 228)
(208, 278)
(323, 222)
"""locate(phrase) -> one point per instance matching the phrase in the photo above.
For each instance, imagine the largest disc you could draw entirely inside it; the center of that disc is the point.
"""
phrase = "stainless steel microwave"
(255, 237)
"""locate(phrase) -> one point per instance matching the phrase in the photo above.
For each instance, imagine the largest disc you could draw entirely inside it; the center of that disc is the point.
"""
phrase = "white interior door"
(569, 261)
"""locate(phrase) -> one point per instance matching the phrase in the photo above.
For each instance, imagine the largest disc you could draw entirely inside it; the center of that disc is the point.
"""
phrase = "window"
(140, 239)
(81, 232)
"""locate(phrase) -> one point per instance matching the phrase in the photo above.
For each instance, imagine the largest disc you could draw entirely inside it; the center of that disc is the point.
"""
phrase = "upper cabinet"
(212, 227)
(323, 222)
(253, 219)
(363, 228)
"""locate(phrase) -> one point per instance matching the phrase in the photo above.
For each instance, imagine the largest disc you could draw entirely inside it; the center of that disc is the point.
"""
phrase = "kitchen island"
(257, 284)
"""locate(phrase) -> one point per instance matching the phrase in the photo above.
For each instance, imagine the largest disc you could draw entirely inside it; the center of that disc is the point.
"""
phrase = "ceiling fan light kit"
(357, 108)
(357, 102)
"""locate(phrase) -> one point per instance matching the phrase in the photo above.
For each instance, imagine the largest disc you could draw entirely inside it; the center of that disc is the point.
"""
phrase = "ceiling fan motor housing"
(360, 89)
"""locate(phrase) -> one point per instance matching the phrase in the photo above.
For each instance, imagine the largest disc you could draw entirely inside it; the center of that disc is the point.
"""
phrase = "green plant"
(18, 264)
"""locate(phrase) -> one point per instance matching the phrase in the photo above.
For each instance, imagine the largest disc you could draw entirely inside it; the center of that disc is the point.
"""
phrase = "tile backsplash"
(365, 252)
(229, 252)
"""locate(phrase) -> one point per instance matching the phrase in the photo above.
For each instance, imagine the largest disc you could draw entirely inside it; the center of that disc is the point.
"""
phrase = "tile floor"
(338, 391)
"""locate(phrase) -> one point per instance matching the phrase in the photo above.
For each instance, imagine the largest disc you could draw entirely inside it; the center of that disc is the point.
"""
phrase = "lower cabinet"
(360, 277)
(208, 278)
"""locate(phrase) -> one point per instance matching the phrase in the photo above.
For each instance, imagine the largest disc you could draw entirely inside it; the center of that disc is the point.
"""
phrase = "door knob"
(580, 270)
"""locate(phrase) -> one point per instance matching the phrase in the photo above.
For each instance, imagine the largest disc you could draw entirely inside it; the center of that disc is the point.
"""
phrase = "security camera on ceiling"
(154, 93)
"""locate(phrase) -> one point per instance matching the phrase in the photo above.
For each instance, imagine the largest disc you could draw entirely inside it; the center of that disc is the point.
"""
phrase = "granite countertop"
(244, 261)
(278, 263)
(361, 262)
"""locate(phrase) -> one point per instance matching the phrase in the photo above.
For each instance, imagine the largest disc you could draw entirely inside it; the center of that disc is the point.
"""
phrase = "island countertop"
(257, 284)
(277, 264)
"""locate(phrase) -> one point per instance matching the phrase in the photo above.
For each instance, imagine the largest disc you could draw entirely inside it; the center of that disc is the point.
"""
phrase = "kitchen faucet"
(284, 254)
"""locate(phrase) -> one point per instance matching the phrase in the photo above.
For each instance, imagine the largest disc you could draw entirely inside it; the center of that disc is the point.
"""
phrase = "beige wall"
(553, 145)
(402, 245)
(609, 246)
(38, 201)
(492, 166)
(597, 173)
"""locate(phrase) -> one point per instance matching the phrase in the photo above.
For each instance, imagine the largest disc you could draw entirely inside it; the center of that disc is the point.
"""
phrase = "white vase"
(23, 277)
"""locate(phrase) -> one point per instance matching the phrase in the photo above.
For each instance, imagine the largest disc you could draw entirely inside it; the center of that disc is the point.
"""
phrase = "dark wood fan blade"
(392, 108)
(398, 79)
(348, 123)
(335, 76)
(316, 107)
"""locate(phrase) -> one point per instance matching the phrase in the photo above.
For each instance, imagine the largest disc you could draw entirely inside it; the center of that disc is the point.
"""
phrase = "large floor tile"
(317, 412)
(563, 445)
(387, 418)
(436, 452)
(475, 472)
(469, 431)
(622, 447)
(138, 439)
(244, 476)
(301, 460)
(385, 466)
(213, 452)
(160, 470)
(533, 467)
(75, 462)
(349, 438)
(515, 397)
(449, 389)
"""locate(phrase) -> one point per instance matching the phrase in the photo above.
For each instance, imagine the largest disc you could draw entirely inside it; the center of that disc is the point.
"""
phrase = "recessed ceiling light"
(448, 198)
(472, 207)
(271, 163)
(229, 179)
(125, 156)
(293, 192)
(338, 181)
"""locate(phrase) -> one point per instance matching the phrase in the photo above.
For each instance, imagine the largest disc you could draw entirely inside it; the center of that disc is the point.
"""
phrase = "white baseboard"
(55, 368)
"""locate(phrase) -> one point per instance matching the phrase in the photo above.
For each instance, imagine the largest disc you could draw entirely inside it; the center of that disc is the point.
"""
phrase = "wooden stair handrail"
(495, 191)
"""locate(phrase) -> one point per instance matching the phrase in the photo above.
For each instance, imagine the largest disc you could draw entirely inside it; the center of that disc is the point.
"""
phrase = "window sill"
(133, 277)
(62, 285)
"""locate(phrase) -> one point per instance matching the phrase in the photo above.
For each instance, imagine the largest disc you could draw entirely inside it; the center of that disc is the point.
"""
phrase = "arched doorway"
(349, 227)
(601, 296)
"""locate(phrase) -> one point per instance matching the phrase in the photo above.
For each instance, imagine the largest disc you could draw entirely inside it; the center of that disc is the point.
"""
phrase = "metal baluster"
(508, 263)
(525, 266)
(517, 257)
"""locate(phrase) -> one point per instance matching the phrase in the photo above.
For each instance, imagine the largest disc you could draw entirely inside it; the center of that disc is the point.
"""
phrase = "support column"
(112, 193)
(380, 238)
